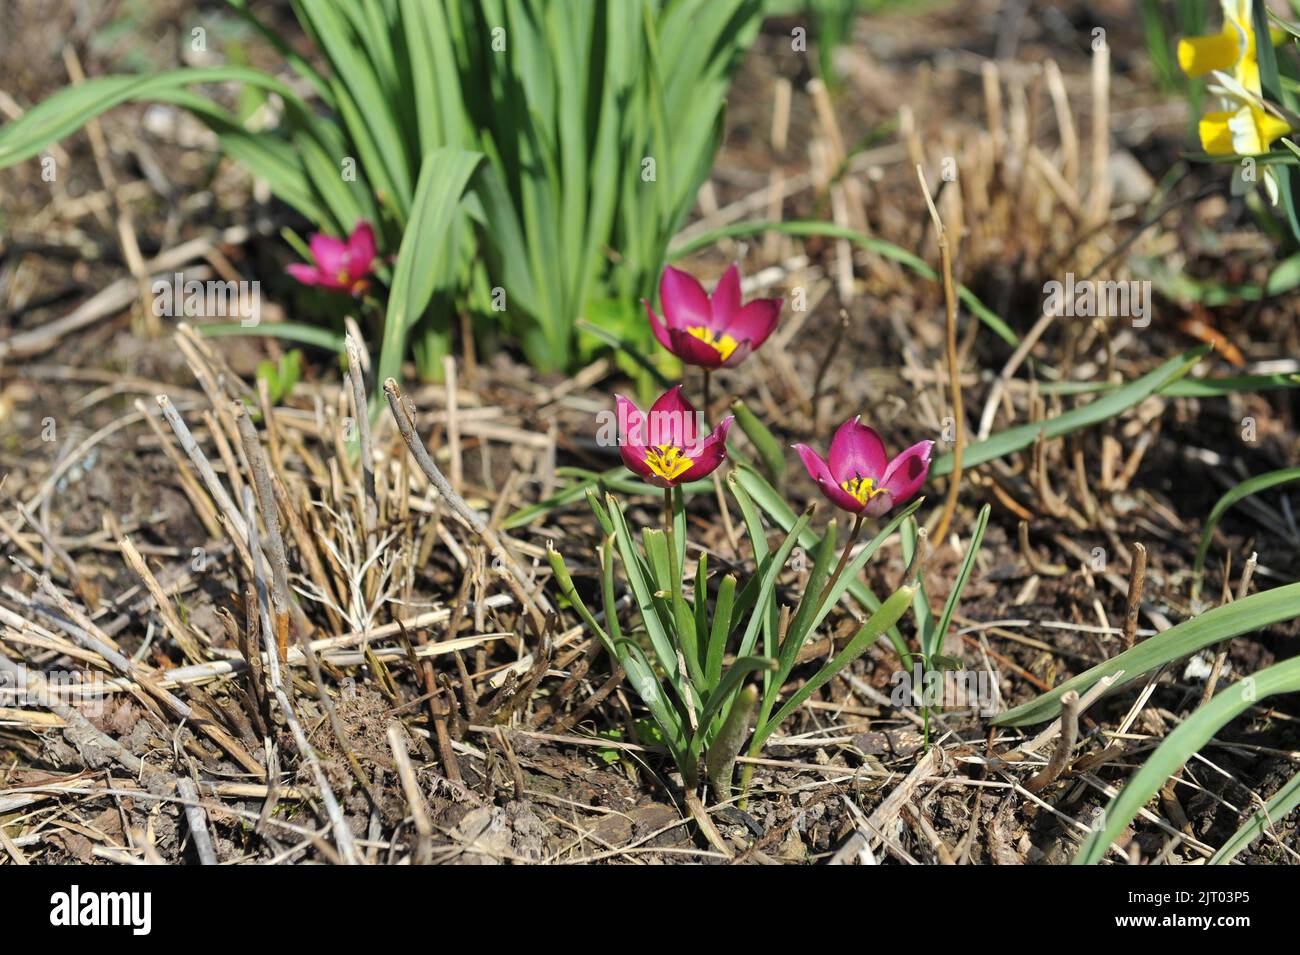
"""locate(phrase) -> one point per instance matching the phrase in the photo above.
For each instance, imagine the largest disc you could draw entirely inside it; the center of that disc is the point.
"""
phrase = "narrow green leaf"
(720, 760)
(602, 515)
(1214, 626)
(700, 606)
(564, 581)
(719, 631)
(748, 598)
(850, 576)
(1260, 482)
(1270, 80)
(640, 673)
(607, 587)
(291, 331)
(766, 600)
(615, 479)
(889, 613)
(69, 109)
(1270, 814)
(643, 592)
(921, 609)
(672, 606)
(963, 575)
(802, 621)
(765, 443)
(774, 505)
(426, 248)
(882, 248)
(724, 693)
(1170, 756)
(1095, 412)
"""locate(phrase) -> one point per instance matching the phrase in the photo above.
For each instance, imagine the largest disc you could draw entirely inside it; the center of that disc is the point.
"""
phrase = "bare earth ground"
(526, 769)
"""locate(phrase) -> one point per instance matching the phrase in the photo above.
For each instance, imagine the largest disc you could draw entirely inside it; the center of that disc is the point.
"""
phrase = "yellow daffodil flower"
(1232, 50)
(1244, 125)
(1247, 131)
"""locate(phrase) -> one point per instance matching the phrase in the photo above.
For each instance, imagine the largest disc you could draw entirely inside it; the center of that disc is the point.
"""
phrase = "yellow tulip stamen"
(724, 344)
(667, 462)
(863, 489)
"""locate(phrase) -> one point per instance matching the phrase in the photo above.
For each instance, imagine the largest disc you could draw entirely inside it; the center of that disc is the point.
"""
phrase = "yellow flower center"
(863, 489)
(724, 344)
(667, 462)
(342, 277)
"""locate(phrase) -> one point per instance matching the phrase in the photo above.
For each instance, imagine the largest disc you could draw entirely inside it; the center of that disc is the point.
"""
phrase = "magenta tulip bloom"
(665, 447)
(710, 332)
(340, 266)
(860, 477)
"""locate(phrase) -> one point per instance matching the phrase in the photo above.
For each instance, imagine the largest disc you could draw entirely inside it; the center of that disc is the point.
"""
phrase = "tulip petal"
(878, 504)
(813, 462)
(361, 249)
(692, 350)
(306, 274)
(631, 445)
(636, 463)
(908, 471)
(755, 322)
(657, 326)
(819, 471)
(856, 451)
(672, 421)
(330, 253)
(738, 354)
(725, 303)
(711, 452)
(683, 300)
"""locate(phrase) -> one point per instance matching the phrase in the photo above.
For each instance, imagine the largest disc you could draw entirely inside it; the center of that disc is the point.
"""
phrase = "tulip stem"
(670, 535)
(708, 377)
(844, 559)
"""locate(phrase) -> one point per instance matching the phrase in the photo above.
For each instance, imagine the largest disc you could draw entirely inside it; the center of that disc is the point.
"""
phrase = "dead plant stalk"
(954, 372)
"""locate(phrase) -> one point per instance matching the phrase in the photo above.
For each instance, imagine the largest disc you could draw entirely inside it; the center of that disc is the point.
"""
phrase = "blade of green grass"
(1095, 412)
(1194, 732)
(1214, 626)
(1260, 482)
(1182, 387)
(879, 246)
(70, 108)
(1269, 815)
(963, 576)
(290, 331)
